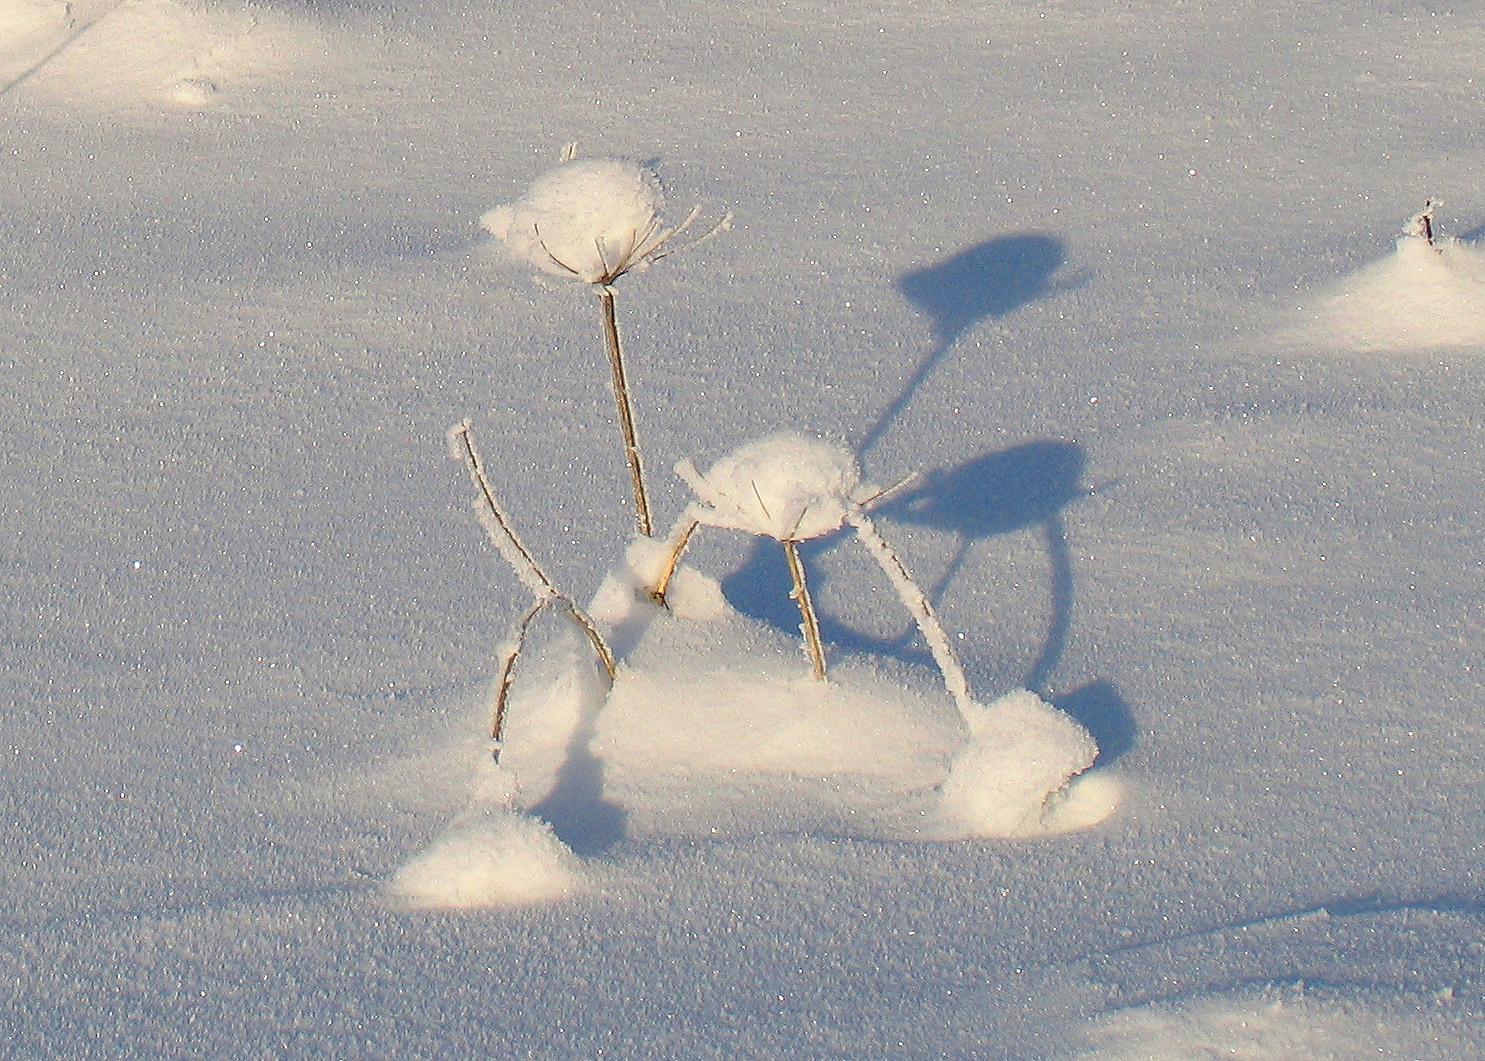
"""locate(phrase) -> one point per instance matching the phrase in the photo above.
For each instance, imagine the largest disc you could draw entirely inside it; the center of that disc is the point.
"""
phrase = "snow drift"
(1428, 295)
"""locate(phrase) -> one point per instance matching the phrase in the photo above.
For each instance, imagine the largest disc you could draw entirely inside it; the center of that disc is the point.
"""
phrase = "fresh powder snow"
(1197, 516)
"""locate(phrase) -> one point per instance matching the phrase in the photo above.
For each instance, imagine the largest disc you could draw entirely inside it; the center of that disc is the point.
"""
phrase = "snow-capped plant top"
(787, 487)
(593, 219)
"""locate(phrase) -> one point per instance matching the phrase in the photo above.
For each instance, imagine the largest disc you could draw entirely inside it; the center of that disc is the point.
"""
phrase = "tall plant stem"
(626, 410)
(810, 627)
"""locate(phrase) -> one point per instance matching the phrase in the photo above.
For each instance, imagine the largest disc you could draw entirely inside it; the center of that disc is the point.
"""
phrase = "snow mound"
(784, 487)
(1276, 1025)
(494, 858)
(116, 54)
(1012, 777)
(714, 726)
(1423, 297)
(585, 219)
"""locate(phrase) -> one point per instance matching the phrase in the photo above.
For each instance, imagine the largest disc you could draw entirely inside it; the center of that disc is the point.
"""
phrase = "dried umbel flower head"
(792, 488)
(787, 487)
(593, 220)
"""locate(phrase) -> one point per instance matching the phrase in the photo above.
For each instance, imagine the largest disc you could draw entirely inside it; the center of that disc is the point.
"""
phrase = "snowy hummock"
(1277, 1024)
(590, 219)
(1427, 295)
(712, 726)
(493, 859)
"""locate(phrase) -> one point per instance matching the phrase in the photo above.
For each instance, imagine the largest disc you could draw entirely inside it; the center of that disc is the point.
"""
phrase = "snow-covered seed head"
(787, 487)
(593, 219)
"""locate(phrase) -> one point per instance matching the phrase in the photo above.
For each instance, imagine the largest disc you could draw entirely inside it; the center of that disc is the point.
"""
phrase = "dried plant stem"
(496, 523)
(680, 537)
(916, 602)
(503, 536)
(512, 652)
(626, 410)
(810, 627)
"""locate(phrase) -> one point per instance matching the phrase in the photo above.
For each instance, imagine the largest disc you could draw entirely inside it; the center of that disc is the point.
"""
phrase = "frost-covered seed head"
(593, 219)
(787, 487)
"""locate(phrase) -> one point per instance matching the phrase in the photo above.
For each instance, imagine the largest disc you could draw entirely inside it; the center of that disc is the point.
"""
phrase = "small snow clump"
(496, 858)
(1008, 780)
(593, 219)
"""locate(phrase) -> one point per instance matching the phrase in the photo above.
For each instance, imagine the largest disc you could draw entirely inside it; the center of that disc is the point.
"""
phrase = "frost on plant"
(791, 488)
(593, 220)
(503, 536)
(596, 220)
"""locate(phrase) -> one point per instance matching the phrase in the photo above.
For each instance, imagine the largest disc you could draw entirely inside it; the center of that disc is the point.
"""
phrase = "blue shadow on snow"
(989, 280)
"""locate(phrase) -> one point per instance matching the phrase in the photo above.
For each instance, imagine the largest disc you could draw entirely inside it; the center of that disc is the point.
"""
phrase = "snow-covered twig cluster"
(1001, 771)
(791, 488)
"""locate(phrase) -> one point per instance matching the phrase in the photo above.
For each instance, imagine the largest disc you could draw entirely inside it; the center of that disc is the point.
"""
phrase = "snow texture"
(591, 219)
(1278, 1025)
(1427, 296)
(1048, 255)
(128, 54)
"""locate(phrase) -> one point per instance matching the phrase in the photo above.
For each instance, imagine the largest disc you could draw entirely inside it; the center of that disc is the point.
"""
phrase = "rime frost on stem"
(916, 602)
(503, 536)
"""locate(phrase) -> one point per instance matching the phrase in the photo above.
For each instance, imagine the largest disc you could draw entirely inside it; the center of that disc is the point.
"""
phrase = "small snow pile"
(592, 219)
(787, 487)
(1279, 1024)
(496, 858)
(1429, 295)
(30, 30)
(1012, 778)
(104, 53)
(713, 728)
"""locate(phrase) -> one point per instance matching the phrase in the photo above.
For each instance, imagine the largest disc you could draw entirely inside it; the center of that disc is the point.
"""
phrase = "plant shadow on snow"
(1022, 488)
(1025, 488)
(576, 808)
(989, 280)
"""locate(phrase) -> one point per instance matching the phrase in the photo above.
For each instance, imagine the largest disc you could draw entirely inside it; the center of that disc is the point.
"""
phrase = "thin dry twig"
(626, 411)
(680, 537)
(503, 536)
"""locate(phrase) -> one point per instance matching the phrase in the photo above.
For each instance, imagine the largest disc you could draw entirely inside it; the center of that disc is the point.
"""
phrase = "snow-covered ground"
(1200, 445)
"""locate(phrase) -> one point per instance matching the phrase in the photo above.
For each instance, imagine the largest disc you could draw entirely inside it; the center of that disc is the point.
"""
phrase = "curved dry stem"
(508, 675)
(916, 602)
(600, 646)
(496, 523)
(498, 526)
